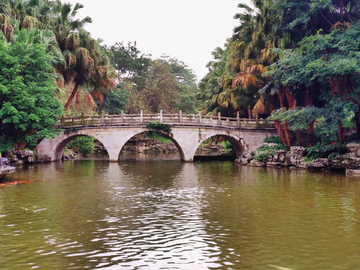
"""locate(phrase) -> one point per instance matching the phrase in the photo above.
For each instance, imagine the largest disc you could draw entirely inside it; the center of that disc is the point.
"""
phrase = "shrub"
(273, 139)
(84, 144)
(262, 157)
(159, 126)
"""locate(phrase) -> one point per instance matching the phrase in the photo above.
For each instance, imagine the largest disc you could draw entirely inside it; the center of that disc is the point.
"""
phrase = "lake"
(166, 214)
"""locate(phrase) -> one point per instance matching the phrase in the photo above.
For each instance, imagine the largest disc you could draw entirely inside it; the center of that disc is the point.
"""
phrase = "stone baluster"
(180, 115)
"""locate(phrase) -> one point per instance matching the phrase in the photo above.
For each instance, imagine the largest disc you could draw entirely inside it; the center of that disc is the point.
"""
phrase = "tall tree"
(28, 106)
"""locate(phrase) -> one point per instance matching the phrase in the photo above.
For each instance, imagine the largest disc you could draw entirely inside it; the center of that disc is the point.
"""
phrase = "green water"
(173, 215)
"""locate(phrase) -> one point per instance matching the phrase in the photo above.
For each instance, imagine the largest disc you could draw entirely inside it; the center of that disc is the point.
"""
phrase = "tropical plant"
(28, 106)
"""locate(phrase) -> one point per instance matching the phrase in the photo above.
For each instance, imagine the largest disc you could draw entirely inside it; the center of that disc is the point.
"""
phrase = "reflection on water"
(173, 215)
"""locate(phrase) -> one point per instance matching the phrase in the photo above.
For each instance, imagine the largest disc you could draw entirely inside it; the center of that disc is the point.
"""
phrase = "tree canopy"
(28, 106)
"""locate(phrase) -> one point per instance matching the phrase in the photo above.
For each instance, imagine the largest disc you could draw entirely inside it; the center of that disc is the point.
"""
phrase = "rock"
(297, 150)
(353, 147)
(30, 159)
(280, 156)
(246, 158)
(294, 159)
(255, 163)
(353, 172)
(273, 164)
(358, 152)
(319, 163)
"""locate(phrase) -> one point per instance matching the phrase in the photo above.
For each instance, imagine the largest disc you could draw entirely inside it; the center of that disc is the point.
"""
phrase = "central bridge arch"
(186, 138)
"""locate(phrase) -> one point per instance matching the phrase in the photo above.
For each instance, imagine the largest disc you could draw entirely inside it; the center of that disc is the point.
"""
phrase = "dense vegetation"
(295, 61)
(49, 59)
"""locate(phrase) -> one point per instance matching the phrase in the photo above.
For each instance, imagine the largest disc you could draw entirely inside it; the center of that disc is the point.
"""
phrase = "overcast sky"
(188, 30)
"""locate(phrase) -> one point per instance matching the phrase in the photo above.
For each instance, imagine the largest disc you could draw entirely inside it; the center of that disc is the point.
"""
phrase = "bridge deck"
(172, 119)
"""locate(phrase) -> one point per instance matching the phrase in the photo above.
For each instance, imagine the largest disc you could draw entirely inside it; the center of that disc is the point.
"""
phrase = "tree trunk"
(287, 134)
(357, 122)
(340, 131)
(298, 137)
(71, 96)
(279, 131)
(270, 102)
(310, 130)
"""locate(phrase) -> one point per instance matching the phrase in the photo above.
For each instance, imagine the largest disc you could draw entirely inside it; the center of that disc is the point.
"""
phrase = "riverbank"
(296, 158)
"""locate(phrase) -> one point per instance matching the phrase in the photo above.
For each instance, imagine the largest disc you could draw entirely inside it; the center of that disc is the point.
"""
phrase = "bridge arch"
(237, 143)
(62, 145)
(164, 134)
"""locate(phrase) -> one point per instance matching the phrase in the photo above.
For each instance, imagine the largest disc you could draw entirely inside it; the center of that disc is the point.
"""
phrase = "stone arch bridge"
(187, 132)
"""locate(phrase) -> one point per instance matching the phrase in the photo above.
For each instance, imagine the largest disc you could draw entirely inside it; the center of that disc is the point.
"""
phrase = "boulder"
(294, 159)
(273, 164)
(319, 163)
(353, 147)
(280, 156)
(255, 163)
(297, 150)
(245, 159)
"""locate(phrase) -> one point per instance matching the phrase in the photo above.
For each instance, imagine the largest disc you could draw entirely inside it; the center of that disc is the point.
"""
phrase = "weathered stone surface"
(294, 159)
(255, 163)
(353, 147)
(245, 159)
(280, 156)
(319, 163)
(273, 164)
(358, 152)
(353, 172)
(297, 150)
(186, 138)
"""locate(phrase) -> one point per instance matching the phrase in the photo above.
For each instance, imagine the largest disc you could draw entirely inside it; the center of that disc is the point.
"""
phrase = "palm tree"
(86, 63)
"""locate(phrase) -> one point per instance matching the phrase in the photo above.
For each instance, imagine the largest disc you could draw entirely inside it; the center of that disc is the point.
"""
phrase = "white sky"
(188, 30)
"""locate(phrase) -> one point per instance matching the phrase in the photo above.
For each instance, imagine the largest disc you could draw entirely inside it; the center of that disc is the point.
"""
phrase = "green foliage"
(84, 144)
(321, 150)
(273, 139)
(159, 126)
(29, 108)
(264, 151)
(261, 157)
(70, 129)
(227, 146)
(157, 136)
(115, 101)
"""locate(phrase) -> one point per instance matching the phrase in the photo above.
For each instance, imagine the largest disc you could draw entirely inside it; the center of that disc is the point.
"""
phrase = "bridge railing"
(173, 119)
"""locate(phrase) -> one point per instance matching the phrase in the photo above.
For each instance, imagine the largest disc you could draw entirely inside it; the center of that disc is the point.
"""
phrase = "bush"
(321, 150)
(262, 157)
(84, 144)
(273, 139)
(159, 126)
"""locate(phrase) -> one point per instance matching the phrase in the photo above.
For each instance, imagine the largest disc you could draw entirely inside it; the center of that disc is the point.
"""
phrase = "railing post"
(219, 119)
(237, 119)
(200, 119)
(82, 119)
(122, 117)
(180, 115)
(141, 116)
(102, 119)
(161, 116)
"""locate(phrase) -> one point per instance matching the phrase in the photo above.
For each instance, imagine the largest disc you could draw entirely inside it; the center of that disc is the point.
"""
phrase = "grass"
(157, 136)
